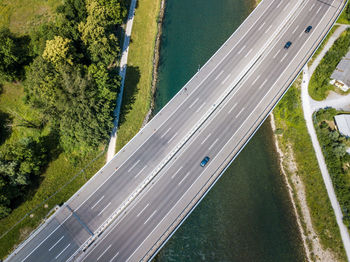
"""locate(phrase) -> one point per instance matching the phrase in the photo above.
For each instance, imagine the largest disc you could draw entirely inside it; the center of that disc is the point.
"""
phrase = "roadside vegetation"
(322, 45)
(138, 83)
(319, 86)
(345, 15)
(334, 146)
(292, 133)
(59, 81)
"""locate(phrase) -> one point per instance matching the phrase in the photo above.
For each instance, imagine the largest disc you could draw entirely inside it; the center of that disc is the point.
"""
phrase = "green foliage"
(13, 55)
(319, 83)
(289, 117)
(334, 151)
(19, 164)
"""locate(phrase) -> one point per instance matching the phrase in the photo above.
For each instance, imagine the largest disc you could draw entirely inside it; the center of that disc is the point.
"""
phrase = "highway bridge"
(128, 210)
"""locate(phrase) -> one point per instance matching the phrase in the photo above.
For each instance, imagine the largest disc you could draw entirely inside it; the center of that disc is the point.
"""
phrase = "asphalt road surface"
(157, 179)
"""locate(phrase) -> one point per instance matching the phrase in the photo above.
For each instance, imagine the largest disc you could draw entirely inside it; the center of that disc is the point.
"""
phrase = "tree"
(10, 56)
(58, 51)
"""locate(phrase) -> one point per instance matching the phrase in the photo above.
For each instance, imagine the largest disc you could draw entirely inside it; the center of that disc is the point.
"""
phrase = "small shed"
(341, 75)
(343, 124)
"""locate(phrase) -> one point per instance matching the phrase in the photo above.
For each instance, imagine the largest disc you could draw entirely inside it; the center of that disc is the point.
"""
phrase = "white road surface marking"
(41, 243)
(56, 243)
(248, 52)
(295, 29)
(184, 178)
(240, 51)
(150, 217)
(240, 112)
(194, 102)
(213, 144)
(279, 4)
(286, 6)
(176, 173)
(166, 132)
(199, 109)
(284, 57)
(171, 139)
(319, 9)
(256, 79)
(268, 29)
(233, 107)
(261, 26)
(104, 209)
(277, 53)
(301, 34)
(133, 166)
(216, 78)
(312, 7)
(97, 202)
(263, 84)
(227, 77)
(114, 257)
(140, 171)
(104, 252)
(205, 139)
(142, 210)
(62, 251)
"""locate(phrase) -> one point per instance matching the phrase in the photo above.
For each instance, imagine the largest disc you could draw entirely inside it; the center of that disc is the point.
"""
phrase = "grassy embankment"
(337, 159)
(293, 134)
(319, 86)
(318, 51)
(137, 93)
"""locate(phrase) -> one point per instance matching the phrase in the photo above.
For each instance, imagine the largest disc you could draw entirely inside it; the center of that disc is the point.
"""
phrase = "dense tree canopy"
(71, 79)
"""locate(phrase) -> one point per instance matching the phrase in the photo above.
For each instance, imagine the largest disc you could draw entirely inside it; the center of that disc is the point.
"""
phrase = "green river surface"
(247, 215)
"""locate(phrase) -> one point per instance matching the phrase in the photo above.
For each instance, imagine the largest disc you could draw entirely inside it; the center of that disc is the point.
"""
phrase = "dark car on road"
(205, 161)
(308, 29)
(288, 44)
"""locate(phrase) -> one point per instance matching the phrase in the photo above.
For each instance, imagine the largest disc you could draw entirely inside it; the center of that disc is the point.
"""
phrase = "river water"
(247, 216)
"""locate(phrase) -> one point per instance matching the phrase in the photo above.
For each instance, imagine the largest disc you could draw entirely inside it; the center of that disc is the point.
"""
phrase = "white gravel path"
(122, 72)
(309, 106)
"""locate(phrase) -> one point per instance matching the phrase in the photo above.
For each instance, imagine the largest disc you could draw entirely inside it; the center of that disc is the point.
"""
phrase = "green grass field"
(21, 15)
(137, 91)
(293, 133)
